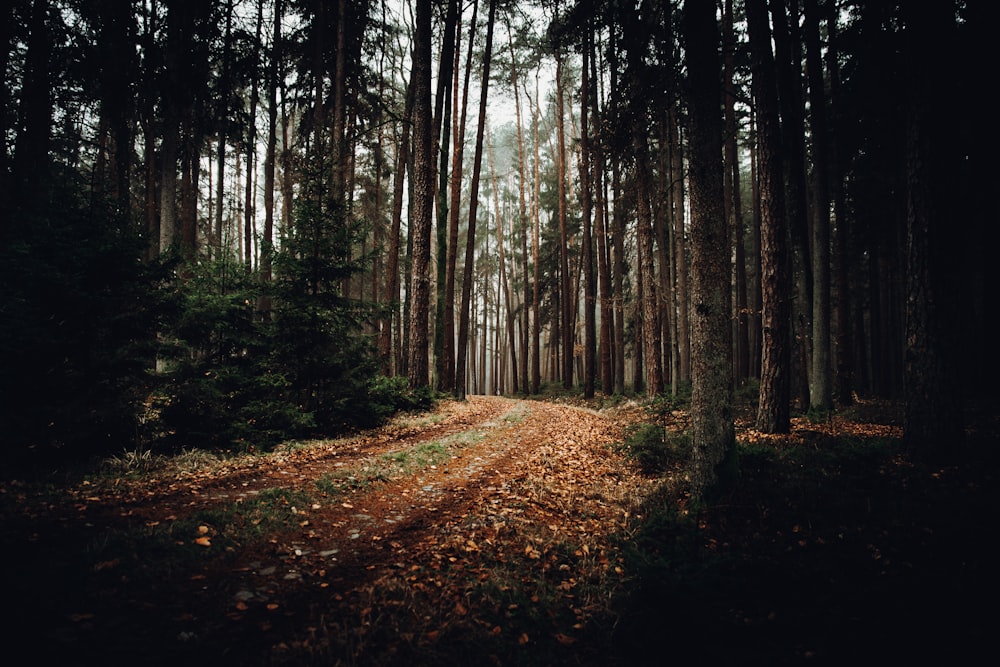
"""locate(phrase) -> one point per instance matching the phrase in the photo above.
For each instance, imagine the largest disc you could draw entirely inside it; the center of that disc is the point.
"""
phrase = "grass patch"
(395, 465)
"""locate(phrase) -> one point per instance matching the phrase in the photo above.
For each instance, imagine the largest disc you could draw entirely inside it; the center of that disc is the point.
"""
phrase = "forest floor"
(499, 531)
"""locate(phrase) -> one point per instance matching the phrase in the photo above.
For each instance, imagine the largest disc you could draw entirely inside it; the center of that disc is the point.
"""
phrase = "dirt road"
(486, 532)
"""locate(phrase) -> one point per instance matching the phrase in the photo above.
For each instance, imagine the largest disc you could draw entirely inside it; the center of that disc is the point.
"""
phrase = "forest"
(237, 222)
(497, 332)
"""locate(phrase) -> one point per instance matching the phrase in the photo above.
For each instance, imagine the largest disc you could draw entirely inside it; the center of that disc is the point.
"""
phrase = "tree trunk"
(470, 247)
(681, 297)
(932, 425)
(423, 201)
(451, 259)
(600, 219)
(536, 294)
(566, 314)
(789, 74)
(503, 284)
(267, 241)
(820, 384)
(522, 207)
(441, 126)
(392, 256)
(773, 409)
(590, 285)
(712, 432)
(733, 200)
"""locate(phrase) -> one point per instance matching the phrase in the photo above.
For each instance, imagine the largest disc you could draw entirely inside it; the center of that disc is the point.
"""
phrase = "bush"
(388, 395)
(655, 450)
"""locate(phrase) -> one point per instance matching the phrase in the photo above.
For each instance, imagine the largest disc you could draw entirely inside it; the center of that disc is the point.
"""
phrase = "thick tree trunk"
(442, 116)
(932, 424)
(423, 201)
(712, 433)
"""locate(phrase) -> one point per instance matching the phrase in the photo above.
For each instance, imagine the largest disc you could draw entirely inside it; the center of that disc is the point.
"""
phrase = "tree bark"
(712, 432)
(773, 408)
(423, 201)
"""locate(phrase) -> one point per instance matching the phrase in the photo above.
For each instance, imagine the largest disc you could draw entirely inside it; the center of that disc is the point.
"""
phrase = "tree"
(423, 200)
(586, 187)
(773, 408)
(933, 418)
(565, 279)
(652, 360)
(458, 152)
(712, 431)
(470, 247)
(820, 381)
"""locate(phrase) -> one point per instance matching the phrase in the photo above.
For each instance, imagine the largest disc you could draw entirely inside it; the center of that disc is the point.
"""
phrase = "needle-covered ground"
(503, 531)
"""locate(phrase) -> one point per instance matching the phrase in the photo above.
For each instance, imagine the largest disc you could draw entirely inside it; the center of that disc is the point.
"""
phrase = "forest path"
(485, 525)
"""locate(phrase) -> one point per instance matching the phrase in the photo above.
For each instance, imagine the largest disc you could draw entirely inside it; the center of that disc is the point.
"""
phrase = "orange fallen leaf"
(203, 541)
(565, 640)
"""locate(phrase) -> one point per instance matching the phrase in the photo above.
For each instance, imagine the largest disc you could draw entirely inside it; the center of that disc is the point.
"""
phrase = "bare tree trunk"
(423, 201)
(712, 433)
(603, 269)
(503, 284)
(773, 408)
(820, 382)
(267, 241)
(535, 253)
(522, 207)
(682, 300)
(734, 214)
(442, 114)
(590, 286)
(448, 349)
(566, 283)
(470, 248)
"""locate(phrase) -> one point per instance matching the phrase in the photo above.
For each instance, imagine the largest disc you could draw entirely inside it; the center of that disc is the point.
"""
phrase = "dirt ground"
(498, 551)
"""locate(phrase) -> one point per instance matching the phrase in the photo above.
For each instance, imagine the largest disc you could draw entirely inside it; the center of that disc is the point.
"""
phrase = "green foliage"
(246, 375)
(654, 449)
(389, 395)
(666, 403)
